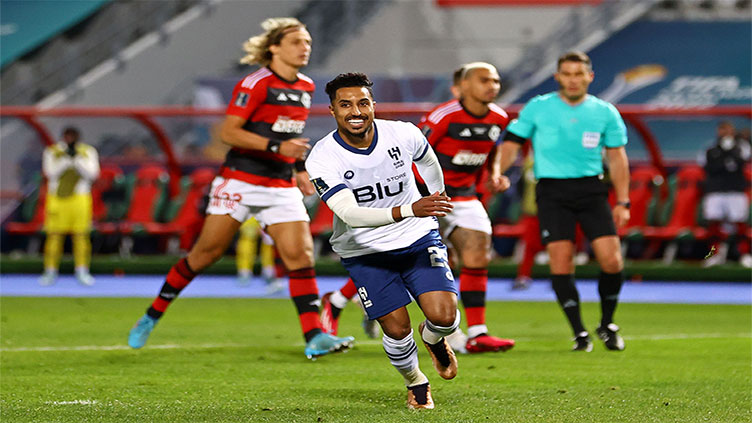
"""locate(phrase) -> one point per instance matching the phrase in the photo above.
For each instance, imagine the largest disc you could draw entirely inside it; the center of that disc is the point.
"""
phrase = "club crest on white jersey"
(379, 176)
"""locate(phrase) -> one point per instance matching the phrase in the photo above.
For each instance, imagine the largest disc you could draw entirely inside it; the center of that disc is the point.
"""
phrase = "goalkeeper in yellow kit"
(70, 167)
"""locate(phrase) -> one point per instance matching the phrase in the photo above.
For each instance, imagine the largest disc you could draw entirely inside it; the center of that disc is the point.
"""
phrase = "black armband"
(273, 146)
(300, 166)
(514, 138)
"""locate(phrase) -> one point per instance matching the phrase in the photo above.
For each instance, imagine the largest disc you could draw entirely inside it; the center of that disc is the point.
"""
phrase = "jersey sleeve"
(419, 143)
(615, 134)
(524, 125)
(325, 178)
(435, 131)
(246, 100)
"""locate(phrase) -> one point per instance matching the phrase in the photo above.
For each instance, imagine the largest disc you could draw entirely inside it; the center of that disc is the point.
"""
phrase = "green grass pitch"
(241, 360)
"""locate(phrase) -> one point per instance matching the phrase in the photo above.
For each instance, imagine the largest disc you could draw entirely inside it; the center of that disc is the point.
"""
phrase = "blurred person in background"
(253, 243)
(463, 132)
(263, 176)
(70, 168)
(568, 129)
(726, 201)
(529, 221)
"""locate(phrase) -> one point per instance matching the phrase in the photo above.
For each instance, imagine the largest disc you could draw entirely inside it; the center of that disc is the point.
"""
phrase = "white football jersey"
(380, 176)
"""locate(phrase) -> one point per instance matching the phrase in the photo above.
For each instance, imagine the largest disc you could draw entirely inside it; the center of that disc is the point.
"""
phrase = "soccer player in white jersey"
(385, 231)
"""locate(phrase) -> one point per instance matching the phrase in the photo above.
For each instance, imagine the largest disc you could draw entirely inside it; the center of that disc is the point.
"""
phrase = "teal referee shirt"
(567, 140)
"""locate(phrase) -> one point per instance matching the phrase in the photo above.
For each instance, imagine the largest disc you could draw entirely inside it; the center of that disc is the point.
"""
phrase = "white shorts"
(466, 214)
(726, 206)
(268, 205)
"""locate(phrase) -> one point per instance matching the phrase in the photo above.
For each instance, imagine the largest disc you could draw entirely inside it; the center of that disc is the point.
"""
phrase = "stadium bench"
(680, 211)
(185, 212)
(147, 201)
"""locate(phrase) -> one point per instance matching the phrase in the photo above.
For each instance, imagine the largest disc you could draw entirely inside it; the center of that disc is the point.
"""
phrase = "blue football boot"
(141, 330)
(325, 343)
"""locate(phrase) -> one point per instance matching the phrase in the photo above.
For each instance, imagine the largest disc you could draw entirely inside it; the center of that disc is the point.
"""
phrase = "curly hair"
(257, 47)
(351, 79)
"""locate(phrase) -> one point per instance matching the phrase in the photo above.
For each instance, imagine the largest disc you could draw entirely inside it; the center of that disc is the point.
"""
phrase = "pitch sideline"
(659, 337)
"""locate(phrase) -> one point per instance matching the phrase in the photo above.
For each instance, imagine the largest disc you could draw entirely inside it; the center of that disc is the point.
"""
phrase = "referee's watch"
(625, 204)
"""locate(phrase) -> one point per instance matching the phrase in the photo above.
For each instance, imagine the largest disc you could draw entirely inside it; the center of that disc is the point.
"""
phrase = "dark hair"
(343, 80)
(71, 130)
(457, 75)
(574, 56)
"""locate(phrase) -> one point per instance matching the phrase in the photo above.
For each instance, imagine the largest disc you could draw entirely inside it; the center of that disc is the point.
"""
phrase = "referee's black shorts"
(562, 203)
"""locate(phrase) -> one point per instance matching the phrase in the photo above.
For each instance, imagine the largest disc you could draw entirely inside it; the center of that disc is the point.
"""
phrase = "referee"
(568, 129)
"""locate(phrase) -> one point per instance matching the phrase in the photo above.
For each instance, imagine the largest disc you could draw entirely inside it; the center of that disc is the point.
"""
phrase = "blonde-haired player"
(262, 177)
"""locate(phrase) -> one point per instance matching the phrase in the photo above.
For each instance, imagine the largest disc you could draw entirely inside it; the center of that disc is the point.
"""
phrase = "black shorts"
(562, 203)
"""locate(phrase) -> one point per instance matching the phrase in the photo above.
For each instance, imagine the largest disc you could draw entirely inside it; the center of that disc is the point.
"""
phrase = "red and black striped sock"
(473, 294)
(348, 291)
(305, 294)
(179, 276)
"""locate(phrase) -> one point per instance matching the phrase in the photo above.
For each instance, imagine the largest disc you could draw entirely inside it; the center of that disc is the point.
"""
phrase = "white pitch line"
(657, 337)
(120, 347)
(75, 402)
(689, 336)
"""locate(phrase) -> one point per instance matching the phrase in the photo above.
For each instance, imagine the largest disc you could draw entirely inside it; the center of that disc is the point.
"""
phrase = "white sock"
(338, 300)
(403, 354)
(82, 269)
(414, 377)
(433, 333)
(476, 330)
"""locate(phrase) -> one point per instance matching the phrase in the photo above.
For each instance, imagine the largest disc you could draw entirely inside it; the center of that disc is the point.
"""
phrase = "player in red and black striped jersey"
(463, 132)
(262, 177)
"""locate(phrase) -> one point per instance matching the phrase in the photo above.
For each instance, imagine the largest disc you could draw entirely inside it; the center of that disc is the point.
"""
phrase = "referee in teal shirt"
(568, 130)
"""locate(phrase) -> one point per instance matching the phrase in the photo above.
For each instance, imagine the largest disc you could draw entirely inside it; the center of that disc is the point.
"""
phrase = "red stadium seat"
(146, 204)
(147, 198)
(683, 218)
(189, 213)
(642, 196)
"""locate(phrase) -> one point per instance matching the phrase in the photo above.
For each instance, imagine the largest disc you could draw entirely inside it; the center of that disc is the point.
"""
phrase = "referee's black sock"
(569, 300)
(609, 285)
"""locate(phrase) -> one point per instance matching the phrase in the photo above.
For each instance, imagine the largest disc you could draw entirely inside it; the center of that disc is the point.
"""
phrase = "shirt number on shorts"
(364, 297)
(439, 258)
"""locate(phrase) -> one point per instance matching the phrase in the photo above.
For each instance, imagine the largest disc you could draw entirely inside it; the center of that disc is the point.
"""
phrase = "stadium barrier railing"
(165, 129)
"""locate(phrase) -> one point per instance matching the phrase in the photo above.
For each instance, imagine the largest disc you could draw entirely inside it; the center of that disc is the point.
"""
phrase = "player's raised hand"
(295, 147)
(436, 204)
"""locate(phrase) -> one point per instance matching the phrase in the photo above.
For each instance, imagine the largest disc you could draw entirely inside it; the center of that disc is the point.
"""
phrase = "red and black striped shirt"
(272, 107)
(462, 142)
